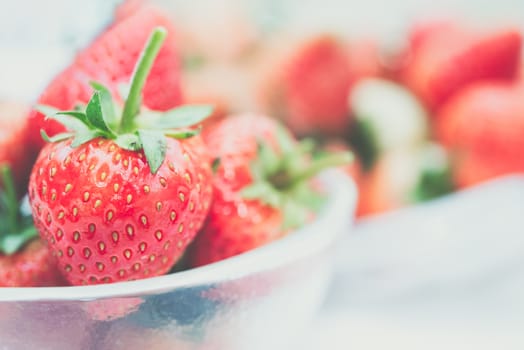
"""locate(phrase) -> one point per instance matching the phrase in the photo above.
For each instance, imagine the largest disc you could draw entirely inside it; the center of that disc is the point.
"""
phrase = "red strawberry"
(109, 60)
(261, 187)
(448, 58)
(25, 260)
(310, 90)
(483, 126)
(13, 148)
(123, 198)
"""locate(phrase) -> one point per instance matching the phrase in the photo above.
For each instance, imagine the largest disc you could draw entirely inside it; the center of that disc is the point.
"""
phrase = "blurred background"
(429, 97)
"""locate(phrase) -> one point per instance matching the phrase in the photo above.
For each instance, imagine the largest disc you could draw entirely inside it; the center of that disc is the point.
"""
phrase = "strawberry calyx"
(16, 227)
(135, 128)
(282, 179)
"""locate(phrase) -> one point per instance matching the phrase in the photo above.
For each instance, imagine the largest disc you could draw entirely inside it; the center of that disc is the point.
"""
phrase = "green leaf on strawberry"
(16, 229)
(136, 128)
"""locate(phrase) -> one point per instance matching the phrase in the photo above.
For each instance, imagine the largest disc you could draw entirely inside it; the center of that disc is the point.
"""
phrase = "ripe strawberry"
(402, 177)
(310, 90)
(110, 59)
(120, 198)
(261, 187)
(483, 126)
(13, 150)
(447, 59)
(25, 260)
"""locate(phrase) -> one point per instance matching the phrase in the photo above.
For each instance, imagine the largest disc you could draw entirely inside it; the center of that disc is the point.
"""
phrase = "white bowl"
(257, 300)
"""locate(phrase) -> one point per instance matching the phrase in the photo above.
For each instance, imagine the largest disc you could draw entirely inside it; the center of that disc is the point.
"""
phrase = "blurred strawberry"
(309, 89)
(483, 126)
(445, 58)
(396, 121)
(13, 149)
(402, 177)
(110, 60)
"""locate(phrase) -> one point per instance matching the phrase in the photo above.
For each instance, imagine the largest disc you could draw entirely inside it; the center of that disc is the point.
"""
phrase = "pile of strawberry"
(120, 181)
(442, 113)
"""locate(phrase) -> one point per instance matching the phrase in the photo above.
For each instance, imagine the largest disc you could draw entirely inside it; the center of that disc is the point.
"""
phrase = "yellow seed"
(158, 235)
(76, 236)
(129, 198)
(59, 234)
(70, 251)
(101, 247)
(91, 227)
(143, 220)
(114, 259)
(100, 266)
(103, 176)
(44, 190)
(60, 253)
(52, 171)
(182, 197)
(92, 166)
(121, 273)
(82, 157)
(136, 266)
(68, 268)
(166, 245)
(67, 160)
(100, 142)
(116, 187)
(82, 267)
(172, 215)
(75, 211)
(179, 244)
(180, 228)
(164, 260)
(126, 162)
(49, 218)
(188, 178)
(152, 257)
(158, 206)
(163, 182)
(146, 189)
(87, 253)
(142, 247)
(109, 215)
(135, 170)
(127, 254)
(53, 195)
(98, 203)
(61, 215)
(86, 196)
(114, 236)
(191, 206)
(187, 157)
(112, 148)
(68, 187)
(130, 231)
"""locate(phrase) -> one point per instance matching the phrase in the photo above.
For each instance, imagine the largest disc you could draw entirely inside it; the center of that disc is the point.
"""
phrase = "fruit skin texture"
(235, 224)
(108, 218)
(483, 128)
(446, 59)
(33, 266)
(110, 60)
(13, 150)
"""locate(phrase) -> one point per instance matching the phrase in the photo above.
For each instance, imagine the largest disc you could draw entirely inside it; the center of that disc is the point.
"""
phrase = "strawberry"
(309, 91)
(261, 187)
(110, 59)
(25, 260)
(483, 127)
(120, 197)
(402, 177)
(13, 150)
(448, 58)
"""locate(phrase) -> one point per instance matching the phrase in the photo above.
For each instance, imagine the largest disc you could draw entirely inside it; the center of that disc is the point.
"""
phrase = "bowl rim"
(307, 241)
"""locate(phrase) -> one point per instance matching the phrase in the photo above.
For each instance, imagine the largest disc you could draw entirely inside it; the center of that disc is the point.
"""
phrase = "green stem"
(11, 199)
(320, 164)
(142, 69)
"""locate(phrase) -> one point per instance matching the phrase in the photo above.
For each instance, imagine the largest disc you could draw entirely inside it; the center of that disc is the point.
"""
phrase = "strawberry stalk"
(318, 165)
(136, 129)
(138, 80)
